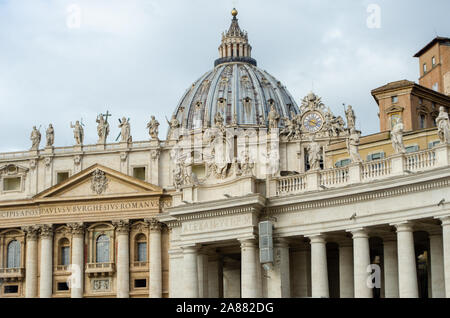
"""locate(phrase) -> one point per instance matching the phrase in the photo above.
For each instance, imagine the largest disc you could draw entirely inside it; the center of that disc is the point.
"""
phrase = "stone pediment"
(98, 181)
(395, 109)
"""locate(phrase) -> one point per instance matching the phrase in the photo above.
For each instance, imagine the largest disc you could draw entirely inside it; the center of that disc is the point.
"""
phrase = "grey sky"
(137, 57)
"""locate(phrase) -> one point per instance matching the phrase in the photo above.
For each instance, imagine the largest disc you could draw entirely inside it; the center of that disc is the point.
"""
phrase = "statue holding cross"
(103, 127)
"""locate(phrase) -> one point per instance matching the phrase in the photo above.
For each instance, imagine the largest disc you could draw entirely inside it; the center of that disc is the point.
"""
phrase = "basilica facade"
(251, 194)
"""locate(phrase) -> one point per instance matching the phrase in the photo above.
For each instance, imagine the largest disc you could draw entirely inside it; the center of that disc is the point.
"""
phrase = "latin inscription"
(216, 224)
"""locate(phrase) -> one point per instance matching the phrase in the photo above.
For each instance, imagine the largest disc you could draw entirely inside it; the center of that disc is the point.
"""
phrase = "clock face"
(313, 122)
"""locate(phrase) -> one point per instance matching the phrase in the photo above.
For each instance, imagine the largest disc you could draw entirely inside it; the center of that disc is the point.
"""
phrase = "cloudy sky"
(61, 61)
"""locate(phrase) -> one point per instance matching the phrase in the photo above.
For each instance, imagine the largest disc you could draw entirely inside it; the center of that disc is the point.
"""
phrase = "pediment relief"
(12, 169)
(98, 181)
(395, 109)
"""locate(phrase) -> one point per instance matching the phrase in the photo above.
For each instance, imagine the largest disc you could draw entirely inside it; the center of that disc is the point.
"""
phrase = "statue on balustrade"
(78, 132)
(174, 124)
(35, 138)
(153, 128)
(397, 137)
(351, 118)
(353, 145)
(50, 135)
(292, 128)
(102, 128)
(125, 130)
(443, 124)
(314, 154)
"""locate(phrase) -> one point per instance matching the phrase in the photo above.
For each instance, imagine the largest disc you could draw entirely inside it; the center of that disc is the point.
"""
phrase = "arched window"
(102, 249)
(64, 252)
(141, 248)
(13, 256)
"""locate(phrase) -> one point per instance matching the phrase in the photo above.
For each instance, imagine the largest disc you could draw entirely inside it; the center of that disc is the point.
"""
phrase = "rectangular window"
(422, 121)
(142, 252)
(65, 255)
(394, 99)
(139, 173)
(62, 286)
(140, 283)
(11, 289)
(61, 176)
(420, 101)
(433, 106)
(343, 163)
(424, 68)
(412, 148)
(375, 156)
(11, 184)
(433, 61)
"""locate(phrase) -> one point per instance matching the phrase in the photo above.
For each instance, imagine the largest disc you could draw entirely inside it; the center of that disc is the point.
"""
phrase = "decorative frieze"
(154, 224)
(46, 231)
(32, 232)
(76, 228)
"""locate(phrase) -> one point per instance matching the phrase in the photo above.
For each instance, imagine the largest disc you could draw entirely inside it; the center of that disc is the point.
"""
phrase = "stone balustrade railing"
(15, 272)
(396, 165)
(93, 268)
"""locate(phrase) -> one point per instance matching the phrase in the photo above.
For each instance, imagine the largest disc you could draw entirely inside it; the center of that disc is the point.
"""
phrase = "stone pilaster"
(346, 278)
(190, 271)
(202, 264)
(319, 270)
(407, 274)
(46, 275)
(123, 258)
(77, 266)
(31, 265)
(249, 283)
(361, 260)
(155, 288)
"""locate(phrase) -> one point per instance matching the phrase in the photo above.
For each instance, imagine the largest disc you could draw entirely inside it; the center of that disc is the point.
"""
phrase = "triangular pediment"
(394, 109)
(98, 181)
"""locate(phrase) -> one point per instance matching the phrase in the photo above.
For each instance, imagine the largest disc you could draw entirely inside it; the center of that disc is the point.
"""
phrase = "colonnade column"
(361, 260)
(390, 267)
(446, 252)
(278, 283)
(319, 270)
(77, 267)
(437, 265)
(190, 271)
(46, 275)
(123, 259)
(31, 269)
(407, 272)
(249, 283)
(155, 281)
(346, 284)
(202, 265)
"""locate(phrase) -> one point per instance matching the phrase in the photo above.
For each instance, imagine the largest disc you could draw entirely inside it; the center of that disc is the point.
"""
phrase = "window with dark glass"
(13, 254)
(102, 249)
(65, 255)
(422, 121)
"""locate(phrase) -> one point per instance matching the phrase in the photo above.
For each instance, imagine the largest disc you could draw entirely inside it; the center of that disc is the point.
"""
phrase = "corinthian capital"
(122, 226)
(31, 231)
(154, 224)
(76, 228)
(46, 231)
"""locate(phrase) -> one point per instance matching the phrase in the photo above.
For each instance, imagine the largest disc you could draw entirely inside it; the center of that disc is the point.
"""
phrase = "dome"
(236, 87)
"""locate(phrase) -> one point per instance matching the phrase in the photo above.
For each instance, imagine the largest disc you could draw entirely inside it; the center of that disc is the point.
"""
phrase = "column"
(123, 259)
(202, 267)
(437, 265)
(155, 281)
(46, 275)
(446, 250)
(215, 277)
(361, 260)
(301, 272)
(390, 267)
(407, 274)
(319, 270)
(346, 285)
(31, 268)
(278, 282)
(77, 266)
(190, 271)
(249, 284)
